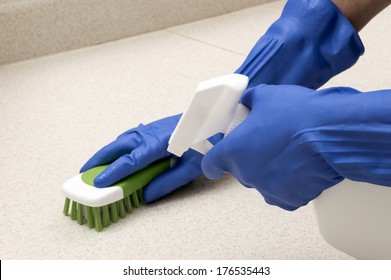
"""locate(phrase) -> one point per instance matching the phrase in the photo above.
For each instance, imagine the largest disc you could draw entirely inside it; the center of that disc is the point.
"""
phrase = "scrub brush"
(213, 109)
(99, 207)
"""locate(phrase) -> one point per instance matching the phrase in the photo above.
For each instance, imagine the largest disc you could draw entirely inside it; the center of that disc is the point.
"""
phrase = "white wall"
(31, 28)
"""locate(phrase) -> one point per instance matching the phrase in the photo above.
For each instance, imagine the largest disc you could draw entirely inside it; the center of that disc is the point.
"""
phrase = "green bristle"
(90, 217)
(135, 201)
(66, 206)
(140, 195)
(122, 212)
(74, 210)
(97, 218)
(80, 212)
(128, 204)
(106, 216)
(132, 186)
(113, 212)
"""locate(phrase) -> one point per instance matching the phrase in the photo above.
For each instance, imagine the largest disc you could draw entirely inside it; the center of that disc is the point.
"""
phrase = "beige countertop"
(56, 111)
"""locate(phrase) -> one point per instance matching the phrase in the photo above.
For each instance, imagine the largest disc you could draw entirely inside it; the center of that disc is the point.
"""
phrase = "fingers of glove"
(274, 202)
(249, 97)
(277, 200)
(179, 175)
(125, 165)
(223, 156)
(121, 146)
(214, 163)
(216, 138)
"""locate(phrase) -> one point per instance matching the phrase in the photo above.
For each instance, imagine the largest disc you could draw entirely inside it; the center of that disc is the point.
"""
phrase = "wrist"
(360, 12)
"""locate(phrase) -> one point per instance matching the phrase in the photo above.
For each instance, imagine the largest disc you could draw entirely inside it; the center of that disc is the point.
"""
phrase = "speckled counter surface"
(56, 111)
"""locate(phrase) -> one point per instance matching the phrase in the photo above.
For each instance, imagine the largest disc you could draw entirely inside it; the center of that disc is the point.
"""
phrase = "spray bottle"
(214, 108)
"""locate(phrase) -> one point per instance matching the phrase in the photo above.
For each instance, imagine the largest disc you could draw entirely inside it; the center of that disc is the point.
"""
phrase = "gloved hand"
(139, 147)
(132, 150)
(311, 42)
(297, 142)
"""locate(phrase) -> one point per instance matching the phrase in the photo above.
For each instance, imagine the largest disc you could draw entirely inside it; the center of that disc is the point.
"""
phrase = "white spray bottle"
(213, 109)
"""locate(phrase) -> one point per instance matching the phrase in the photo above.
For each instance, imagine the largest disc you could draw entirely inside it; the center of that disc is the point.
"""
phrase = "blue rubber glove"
(295, 50)
(297, 142)
(133, 150)
(139, 147)
(310, 43)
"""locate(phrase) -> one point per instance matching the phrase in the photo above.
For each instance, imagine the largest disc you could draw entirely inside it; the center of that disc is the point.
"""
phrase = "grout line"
(204, 43)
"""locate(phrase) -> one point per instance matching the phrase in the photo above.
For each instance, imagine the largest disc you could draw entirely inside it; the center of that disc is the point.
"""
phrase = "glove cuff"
(352, 132)
(310, 43)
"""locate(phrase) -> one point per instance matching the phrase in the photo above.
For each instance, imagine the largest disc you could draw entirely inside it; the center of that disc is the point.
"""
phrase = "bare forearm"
(360, 12)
